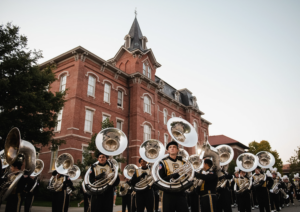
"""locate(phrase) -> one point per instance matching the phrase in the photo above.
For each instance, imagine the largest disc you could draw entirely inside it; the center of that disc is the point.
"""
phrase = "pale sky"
(241, 59)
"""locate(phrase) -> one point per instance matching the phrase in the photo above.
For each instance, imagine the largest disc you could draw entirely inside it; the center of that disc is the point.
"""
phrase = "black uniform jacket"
(135, 179)
(209, 184)
(163, 171)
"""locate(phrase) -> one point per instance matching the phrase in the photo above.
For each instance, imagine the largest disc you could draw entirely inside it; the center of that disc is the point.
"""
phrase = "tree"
(231, 167)
(255, 147)
(25, 99)
(295, 162)
(90, 158)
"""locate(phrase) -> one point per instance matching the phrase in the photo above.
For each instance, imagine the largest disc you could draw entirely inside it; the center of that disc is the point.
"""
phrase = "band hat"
(274, 170)
(172, 143)
(268, 173)
(236, 169)
(296, 175)
(278, 174)
(285, 177)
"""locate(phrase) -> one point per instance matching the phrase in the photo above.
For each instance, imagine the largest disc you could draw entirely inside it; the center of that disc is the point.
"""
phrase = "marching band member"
(233, 194)
(59, 197)
(297, 186)
(208, 198)
(27, 196)
(262, 190)
(144, 198)
(274, 198)
(171, 201)
(103, 201)
(224, 195)
(126, 199)
(289, 188)
(156, 199)
(13, 203)
(244, 198)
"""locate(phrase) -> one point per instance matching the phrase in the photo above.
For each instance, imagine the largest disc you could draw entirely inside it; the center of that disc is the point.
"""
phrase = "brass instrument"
(285, 196)
(38, 170)
(15, 146)
(74, 173)
(3, 159)
(265, 159)
(63, 164)
(244, 184)
(259, 178)
(111, 142)
(197, 164)
(128, 172)
(184, 134)
(247, 162)
(151, 150)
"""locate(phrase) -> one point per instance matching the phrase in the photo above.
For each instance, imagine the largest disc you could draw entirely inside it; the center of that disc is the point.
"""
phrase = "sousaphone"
(39, 166)
(128, 172)
(247, 162)
(111, 142)
(265, 159)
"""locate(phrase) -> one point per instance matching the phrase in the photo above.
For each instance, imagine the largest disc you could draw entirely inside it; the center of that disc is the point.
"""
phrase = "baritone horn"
(111, 142)
(184, 134)
(15, 146)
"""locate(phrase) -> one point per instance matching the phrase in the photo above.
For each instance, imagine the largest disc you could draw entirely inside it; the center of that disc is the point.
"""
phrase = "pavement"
(118, 208)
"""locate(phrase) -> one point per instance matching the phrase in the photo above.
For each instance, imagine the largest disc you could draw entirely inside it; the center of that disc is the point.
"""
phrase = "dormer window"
(147, 69)
(144, 41)
(127, 41)
(194, 100)
(177, 95)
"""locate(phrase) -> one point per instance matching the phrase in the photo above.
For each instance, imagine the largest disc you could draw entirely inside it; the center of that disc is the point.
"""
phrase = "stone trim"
(72, 128)
(106, 80)
(75, 135)
(121, 88)
(62, 73)
(146, 122)
(92, 73)
(147, 94)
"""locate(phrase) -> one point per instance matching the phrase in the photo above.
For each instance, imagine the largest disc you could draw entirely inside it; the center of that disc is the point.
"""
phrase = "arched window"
(63, 82)
(147, 132)
(107, 88)
(147, 69)
(91, 86)
(165, 116)
(147, 104)
(196, 126)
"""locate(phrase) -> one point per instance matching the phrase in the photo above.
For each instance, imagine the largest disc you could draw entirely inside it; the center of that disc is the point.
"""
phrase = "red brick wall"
(73, 118)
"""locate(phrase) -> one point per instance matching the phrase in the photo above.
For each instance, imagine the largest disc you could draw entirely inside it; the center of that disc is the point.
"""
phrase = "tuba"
(183, 133)
(62, 165)
(198, 165)
(151, 150)
(265, 160)
(128, 172)
(39, 166)
(112, 142)
(226, 154)
(247, 162)
(15, 146)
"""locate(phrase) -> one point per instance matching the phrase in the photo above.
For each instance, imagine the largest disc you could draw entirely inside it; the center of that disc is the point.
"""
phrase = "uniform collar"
(144, 168)
(103, 164)
(172, 159)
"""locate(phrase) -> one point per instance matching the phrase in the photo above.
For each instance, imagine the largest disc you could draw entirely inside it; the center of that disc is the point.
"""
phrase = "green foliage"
(90, 153)
(231, 167)
(25, 101)
(255, 147)
(295, 162)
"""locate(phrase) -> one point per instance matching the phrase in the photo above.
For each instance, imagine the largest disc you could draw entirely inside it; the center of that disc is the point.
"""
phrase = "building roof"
(216, 140)
(286, 167)
(136, 36)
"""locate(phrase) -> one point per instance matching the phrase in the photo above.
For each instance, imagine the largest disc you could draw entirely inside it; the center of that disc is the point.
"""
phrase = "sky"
(241, 59)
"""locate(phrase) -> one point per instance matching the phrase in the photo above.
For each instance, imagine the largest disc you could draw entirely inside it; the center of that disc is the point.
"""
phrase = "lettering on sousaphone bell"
(178, 129)
(111, 140)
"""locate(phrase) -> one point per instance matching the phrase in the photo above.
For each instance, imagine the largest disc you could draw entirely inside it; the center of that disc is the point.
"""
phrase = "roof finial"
(135, 12)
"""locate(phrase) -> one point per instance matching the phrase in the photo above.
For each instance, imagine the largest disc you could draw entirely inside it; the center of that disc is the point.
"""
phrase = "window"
(91, 86)
(84, 150)
(53, 159)
(63, 82)
(104, 117)
(196, 126)
(147, 106)
(166, 140)
(119, 124)
(146, 69)
(107, 92)
(165, 116)
(147, 132)
(177, 95)
(120, 99)
(59, 119)
(88, 121)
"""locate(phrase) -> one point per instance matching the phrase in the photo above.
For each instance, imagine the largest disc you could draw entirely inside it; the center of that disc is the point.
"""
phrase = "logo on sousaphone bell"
(264, 158)
(178, 130)
(247, 161)
(152, 149)
(224, 153)
(111, 139)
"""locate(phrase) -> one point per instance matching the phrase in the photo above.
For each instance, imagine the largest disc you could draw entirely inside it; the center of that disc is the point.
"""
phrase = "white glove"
(271, 190)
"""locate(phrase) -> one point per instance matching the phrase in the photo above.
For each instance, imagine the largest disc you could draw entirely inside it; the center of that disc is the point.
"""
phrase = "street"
(291, 208)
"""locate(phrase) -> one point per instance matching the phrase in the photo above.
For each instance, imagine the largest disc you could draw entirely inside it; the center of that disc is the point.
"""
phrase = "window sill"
(147, 112)
(91, 96)
(106, 102)
(88, 132)
(56, 131)
(121, 107)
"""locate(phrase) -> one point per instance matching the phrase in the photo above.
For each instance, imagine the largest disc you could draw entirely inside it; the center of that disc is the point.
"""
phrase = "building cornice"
(204, 120)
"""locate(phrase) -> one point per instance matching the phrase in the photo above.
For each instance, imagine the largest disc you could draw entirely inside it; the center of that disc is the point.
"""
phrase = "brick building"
(124, 89)
(238, 147)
